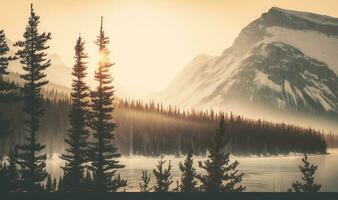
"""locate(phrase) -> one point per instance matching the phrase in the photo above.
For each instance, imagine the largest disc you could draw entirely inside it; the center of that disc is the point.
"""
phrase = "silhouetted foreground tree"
(163, 176)
(76, 156)
(221, 175)
(103, 154)
(33, 58)
(8, 172)
(188, 178)
(144, 185)
(7, 90)
(308, 171)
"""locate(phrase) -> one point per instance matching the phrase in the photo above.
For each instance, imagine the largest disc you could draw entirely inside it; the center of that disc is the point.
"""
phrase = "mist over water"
(262, 174)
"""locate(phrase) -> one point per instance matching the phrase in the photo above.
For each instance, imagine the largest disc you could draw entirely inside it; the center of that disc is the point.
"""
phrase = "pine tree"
(7, 90)
(103, 153)
(163, 176)
(188, 182)
(221, 175)
(77, 150)
(144, 185)
(308, 170)
(33, 58)
(49, 184)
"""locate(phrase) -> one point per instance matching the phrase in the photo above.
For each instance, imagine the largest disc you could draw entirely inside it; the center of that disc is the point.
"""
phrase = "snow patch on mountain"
(316, 94)
(312, 43)
(262, 80)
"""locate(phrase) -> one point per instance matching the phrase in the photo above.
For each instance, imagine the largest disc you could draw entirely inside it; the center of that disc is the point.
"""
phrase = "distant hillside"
(150, 129)
(51, 90)
(58, 73)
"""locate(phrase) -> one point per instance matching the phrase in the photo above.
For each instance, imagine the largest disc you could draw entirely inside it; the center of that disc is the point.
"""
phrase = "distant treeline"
(152, 129)
(331, 140)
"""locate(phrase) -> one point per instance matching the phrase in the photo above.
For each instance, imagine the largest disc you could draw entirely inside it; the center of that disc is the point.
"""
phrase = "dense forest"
(152, 129)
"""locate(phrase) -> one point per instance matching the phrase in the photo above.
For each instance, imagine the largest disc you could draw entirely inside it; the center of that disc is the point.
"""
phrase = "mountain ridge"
(275, 61)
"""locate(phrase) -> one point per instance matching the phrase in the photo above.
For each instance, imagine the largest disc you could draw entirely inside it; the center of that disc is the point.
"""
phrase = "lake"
(262, 174)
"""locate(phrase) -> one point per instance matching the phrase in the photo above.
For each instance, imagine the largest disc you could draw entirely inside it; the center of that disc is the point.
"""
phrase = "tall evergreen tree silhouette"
(188, 177)
(77, 150)
(33, 58)
(163, 176)
(221, 175)
(104, 164)
(144, 185)
(7, 90)
(308, 185)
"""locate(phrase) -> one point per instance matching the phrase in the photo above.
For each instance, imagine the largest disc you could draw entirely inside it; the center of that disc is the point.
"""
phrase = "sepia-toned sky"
(151, 40)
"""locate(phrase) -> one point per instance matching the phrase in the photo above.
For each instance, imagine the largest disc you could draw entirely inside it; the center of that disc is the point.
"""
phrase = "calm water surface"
(262, 174)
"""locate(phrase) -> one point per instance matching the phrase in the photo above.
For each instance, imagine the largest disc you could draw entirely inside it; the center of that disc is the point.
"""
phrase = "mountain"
(285, 60)
(58, 74)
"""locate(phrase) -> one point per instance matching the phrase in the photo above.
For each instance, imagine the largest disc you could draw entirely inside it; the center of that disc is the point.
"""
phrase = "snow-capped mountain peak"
(285, 60)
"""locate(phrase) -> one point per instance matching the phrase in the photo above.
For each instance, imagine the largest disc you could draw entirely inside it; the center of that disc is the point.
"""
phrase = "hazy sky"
(151, 40)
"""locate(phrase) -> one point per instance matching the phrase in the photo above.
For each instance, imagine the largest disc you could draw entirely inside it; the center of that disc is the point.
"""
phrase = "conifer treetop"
(308, 180)
(221, 175)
